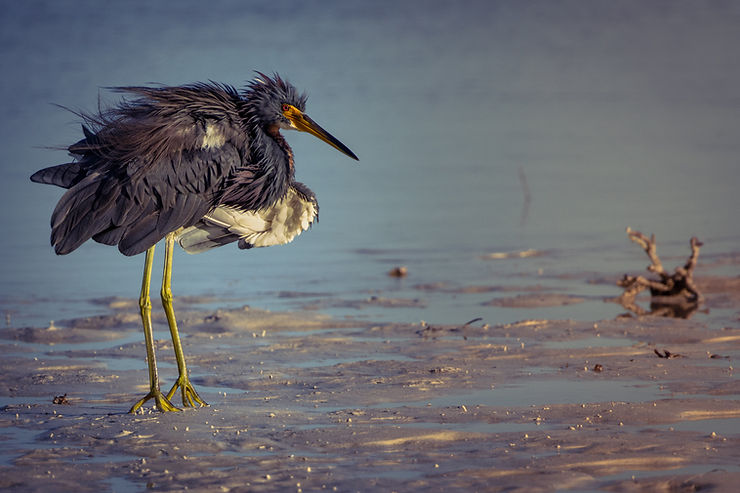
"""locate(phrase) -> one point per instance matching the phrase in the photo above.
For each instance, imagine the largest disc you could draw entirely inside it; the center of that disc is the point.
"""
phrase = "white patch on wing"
(214, 137)
(275, 225)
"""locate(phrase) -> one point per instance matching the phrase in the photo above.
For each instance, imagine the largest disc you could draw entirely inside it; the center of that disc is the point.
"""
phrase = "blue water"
(616, 113)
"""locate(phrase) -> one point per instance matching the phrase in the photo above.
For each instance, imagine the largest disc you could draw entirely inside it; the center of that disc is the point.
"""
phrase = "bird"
(201, 165)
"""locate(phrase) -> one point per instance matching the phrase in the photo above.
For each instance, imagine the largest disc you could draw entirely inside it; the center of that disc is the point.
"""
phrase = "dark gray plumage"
(161, 162)
(201, 164)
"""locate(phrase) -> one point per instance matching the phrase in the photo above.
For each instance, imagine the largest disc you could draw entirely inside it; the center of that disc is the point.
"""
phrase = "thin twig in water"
(527, 196)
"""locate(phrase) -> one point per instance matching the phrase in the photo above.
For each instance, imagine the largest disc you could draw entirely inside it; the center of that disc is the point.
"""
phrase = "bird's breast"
(277, 224)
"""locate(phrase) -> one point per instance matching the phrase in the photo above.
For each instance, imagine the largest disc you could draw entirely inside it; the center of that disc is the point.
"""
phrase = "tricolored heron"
(202, 165)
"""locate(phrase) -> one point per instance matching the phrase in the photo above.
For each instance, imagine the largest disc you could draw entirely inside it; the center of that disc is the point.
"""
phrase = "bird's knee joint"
(166, 296)
(145, 303)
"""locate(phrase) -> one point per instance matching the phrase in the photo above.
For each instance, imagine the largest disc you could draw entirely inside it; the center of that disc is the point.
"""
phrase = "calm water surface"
(614, 113)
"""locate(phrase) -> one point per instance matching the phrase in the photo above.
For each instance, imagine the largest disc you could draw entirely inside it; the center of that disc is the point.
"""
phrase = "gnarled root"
(672, 294)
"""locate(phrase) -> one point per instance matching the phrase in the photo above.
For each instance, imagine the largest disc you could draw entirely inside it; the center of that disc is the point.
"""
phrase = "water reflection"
(670, 307)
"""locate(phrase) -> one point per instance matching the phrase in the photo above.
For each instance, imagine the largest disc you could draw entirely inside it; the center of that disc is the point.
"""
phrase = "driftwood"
(674, 295)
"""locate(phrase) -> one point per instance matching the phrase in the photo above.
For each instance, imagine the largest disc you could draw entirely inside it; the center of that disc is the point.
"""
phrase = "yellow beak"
(301, 121)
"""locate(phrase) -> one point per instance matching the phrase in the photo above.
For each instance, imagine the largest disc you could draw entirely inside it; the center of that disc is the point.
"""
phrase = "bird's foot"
(162, 403)
(189, 396)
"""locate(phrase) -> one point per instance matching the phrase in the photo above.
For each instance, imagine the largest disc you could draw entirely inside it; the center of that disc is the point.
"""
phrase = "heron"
(202, 165)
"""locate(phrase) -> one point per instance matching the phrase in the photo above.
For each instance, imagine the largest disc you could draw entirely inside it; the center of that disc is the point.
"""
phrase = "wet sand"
(303, 402)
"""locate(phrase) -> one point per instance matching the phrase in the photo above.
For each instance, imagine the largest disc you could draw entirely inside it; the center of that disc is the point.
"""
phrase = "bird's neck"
(266, 174)
(274, 132)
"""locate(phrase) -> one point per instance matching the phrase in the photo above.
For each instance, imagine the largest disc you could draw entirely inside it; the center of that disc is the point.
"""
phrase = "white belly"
(275, 225)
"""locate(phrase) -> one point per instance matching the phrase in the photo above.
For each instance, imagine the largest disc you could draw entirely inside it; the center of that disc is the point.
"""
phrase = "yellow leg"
(189, 396)
(145, 304)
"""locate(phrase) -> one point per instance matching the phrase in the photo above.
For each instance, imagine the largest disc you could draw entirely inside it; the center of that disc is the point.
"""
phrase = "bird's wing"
(274, 225)
(151, 166)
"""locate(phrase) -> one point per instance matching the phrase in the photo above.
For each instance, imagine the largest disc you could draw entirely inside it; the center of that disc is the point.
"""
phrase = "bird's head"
(277, 103)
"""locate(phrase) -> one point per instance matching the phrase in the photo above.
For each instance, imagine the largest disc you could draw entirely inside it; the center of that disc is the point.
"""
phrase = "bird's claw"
(189, 396)
(162, 403)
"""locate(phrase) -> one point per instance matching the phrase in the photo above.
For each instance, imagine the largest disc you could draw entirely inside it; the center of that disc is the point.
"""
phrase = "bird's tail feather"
(81, 213)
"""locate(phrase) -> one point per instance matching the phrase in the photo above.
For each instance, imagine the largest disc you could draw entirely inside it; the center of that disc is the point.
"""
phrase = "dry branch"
(677, 289)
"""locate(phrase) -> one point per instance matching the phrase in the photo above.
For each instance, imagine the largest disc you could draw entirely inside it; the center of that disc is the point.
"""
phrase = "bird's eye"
(286, 108)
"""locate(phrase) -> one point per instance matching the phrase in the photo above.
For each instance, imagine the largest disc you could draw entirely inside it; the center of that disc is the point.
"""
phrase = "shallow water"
(615, 114)
(546, 392)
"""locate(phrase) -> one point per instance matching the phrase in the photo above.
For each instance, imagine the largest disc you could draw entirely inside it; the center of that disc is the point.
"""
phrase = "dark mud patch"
(536, 300)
